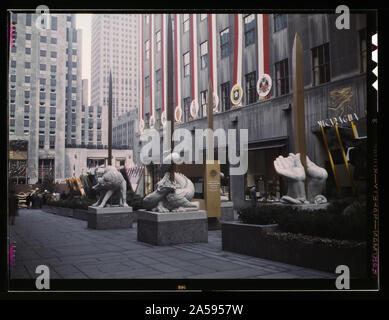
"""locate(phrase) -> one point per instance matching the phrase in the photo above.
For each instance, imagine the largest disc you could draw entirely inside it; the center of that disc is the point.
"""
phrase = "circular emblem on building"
(163, 118)
(152, 121)
(178, 113)
(194, 109)
(213, 173)
(141, 125)
(236, 94)
(264, 84)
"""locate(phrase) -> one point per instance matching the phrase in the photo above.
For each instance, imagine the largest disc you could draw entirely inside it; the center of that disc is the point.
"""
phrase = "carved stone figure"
(111, 181)
(292, 169)
(171, 195)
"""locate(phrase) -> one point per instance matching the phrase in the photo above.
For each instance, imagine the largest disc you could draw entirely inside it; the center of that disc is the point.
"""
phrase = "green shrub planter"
(266, 242)
(67, 212)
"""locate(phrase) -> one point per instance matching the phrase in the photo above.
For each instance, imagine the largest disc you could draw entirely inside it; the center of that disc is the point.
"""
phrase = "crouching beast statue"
(112, 181)
(171, 195)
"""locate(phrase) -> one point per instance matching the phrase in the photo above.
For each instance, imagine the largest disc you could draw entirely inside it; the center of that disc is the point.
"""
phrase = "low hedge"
(72, 203)
(342, 219)
(133, 200)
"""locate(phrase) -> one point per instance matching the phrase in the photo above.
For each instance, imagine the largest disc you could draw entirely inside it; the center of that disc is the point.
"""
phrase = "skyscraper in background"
(44, 94)
(115, 41)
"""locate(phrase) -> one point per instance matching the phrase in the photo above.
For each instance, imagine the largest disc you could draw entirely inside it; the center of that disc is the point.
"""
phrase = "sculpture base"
(227, 209)
(109, 218)
(173, 227)
(302, 206)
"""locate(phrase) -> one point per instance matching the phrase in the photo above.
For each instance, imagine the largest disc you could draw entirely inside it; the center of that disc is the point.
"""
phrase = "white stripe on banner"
(140, 64)
(195, 78)
(164, 39)
(178, 58)
(152, 111)
(240, 36)
(261, 68)
(214, 54)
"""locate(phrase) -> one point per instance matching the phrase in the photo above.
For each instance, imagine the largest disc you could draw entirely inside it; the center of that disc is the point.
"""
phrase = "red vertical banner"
(151, 64)
(191, 57)
(142, 69)
(163, 60)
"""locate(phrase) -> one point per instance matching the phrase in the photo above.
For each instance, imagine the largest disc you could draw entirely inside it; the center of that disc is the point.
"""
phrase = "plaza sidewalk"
(72, 251)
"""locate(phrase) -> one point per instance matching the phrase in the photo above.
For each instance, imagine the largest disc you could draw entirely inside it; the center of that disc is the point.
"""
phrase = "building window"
(280, 22)
(204, 54)
(203, 16)
(158, 79)
(321, 64)
(158, 40)
(42, 67)
(28, 19)
(187, 64)
(74, 38)
(203, 101)
(52, 142)
(43, 39)
(12, 109)
(54, 23)
(186, 109)
(28, 36)
(13, 64)
(147, 86)
(43, 53)
(147, 46)
(27, 65)
(53, 54)
(224, 42)
(53, 40)
(186, 22)
(28, 50)
(147, 18)
(225, 96)
(41, 141)
(53, 69)
(362, 49)
(282, 77)
(249, 29)
(13, 77)
(251, 87)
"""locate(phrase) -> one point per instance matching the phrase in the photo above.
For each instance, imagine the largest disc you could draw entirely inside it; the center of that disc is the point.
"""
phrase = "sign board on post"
(212, 189)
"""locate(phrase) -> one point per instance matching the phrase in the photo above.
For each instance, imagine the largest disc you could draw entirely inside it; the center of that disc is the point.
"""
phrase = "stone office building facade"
(239, 49)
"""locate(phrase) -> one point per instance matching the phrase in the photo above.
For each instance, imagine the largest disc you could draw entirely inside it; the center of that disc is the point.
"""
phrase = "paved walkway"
(72, 251)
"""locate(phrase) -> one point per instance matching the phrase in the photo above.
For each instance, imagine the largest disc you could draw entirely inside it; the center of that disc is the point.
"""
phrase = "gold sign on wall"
(341, 100)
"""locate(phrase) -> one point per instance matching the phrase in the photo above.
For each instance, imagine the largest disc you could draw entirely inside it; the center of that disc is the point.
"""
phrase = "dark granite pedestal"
(172, 227)
(110, 218)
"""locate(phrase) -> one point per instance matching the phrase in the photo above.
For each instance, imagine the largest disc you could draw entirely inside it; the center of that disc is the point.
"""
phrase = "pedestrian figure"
(253, 196)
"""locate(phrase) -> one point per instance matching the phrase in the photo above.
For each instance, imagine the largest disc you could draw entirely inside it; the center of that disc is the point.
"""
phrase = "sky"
(84, 22)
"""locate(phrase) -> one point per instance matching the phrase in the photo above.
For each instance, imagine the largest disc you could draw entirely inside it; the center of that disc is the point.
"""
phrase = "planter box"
(311, 252)
(172, 227)
(114, 217)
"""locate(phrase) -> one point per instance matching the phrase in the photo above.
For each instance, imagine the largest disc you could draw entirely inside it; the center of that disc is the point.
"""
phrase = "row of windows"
(320, 69)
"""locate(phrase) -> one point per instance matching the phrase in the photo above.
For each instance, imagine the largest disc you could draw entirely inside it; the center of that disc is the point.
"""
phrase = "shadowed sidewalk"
(72, 251)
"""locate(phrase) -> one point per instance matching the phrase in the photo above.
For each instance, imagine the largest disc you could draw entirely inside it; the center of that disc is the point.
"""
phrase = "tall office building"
(115, 48)
(44, 82)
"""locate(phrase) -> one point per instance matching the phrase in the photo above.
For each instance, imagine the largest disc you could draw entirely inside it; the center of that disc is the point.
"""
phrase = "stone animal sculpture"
(171, 195)
(292, 169)
(111, 181)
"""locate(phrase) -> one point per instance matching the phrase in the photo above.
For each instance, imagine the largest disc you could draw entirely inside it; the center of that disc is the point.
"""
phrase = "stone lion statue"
(111, 181)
